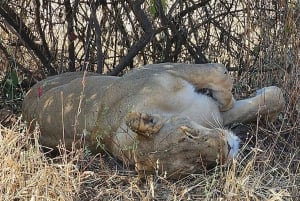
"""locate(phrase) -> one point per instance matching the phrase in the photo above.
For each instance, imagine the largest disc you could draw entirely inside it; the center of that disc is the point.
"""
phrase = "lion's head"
(179, 145)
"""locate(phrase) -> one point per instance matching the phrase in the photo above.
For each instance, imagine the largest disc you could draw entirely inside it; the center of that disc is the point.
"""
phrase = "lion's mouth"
(233, 143)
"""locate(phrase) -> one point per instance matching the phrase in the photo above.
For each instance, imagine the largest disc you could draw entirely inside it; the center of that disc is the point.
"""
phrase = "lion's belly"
(184, 102)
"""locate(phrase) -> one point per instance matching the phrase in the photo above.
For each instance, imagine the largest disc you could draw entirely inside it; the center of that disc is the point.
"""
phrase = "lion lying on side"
(152, 117)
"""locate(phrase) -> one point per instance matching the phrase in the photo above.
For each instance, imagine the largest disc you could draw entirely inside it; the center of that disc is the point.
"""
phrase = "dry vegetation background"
(258, 41)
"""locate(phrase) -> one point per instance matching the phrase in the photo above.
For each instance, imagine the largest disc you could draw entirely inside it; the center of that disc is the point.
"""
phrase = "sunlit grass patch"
(27, 174)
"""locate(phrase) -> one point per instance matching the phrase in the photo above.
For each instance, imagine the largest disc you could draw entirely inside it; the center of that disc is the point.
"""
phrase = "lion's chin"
(233, 144)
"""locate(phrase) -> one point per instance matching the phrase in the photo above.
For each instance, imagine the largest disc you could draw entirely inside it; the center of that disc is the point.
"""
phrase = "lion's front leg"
(268, 101)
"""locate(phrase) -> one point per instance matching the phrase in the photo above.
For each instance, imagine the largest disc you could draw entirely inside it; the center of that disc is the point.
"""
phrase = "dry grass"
(25, 172)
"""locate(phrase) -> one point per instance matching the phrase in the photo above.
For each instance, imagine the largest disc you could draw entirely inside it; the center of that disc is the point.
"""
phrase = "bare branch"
(13, 62)
(71, 34)
(39, 28)
(25, 35)
(98, 38)
(142, 42)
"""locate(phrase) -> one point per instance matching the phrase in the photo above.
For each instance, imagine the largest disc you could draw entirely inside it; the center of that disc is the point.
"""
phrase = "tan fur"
(151, 117)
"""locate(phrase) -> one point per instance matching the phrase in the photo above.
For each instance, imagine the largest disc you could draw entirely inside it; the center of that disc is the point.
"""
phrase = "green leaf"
(14, 78)
(153, 9)
(11, 84)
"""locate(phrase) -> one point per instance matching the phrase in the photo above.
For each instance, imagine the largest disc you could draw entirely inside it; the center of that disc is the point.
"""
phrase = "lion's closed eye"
(152, 121)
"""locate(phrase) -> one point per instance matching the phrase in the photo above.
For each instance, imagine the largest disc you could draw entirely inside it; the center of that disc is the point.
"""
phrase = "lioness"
(153, 117)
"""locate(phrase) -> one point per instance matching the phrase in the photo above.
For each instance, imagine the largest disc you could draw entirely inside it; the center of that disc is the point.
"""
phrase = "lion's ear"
(143, 123)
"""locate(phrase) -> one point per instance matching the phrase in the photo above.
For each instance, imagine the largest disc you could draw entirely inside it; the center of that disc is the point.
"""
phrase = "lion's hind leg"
(209, 76)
